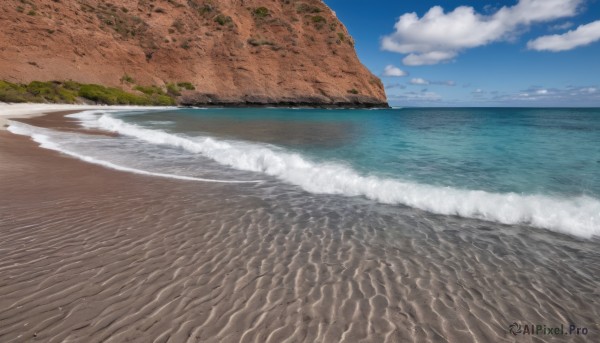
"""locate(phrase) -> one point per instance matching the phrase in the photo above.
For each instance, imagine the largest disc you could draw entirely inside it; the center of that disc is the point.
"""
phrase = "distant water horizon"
(492, 107)
(516, 166)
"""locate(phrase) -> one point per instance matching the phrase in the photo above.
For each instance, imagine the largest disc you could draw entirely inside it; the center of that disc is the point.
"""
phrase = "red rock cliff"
(232, 51)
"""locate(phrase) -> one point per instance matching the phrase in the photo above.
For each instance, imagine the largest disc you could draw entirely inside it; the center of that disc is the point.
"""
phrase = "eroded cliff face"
(232, 51)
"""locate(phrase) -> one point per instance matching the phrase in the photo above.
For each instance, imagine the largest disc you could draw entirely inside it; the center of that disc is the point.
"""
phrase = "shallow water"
(538, 167)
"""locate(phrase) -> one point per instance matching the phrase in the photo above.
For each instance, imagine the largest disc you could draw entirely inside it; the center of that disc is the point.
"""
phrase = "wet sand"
(89, 254)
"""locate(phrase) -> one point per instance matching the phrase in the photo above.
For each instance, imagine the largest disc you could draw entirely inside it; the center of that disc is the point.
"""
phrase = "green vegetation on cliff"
(71, 92)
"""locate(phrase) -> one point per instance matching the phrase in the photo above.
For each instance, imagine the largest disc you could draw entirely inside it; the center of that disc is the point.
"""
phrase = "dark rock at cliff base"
(213, 100)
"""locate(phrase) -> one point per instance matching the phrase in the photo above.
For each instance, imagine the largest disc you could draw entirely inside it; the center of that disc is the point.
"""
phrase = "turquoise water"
(527, 151)
(534, 167)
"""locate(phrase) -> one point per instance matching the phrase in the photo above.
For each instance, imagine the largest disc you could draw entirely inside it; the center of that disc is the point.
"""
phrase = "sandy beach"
(90, 254)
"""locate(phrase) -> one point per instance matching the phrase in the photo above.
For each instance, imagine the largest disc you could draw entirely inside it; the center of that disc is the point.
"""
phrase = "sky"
(478, 52)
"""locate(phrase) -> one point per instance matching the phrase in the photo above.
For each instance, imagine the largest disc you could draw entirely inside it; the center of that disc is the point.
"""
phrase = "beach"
(94, 254)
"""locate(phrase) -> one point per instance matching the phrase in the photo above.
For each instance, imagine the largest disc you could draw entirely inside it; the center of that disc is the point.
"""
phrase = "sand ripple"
(93, 255)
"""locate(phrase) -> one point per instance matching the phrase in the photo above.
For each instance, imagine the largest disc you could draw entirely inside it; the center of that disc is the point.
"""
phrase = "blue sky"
(479, 53)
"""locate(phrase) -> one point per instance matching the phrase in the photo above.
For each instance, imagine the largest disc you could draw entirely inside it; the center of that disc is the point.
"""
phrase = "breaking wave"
(578, 215)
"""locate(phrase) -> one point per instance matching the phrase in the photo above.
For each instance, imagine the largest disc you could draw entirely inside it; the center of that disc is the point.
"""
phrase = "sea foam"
(578, 215)
(46, 142)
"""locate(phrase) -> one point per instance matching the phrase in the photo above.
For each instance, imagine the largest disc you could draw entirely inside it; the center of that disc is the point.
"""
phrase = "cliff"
(233, 52)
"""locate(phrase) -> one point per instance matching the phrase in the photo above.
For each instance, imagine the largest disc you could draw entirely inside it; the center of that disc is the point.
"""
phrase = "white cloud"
(416, 97)
(582, 35)
(433, 57)
(418, 81)
(439, 37)
(393, 71)
(569, 96)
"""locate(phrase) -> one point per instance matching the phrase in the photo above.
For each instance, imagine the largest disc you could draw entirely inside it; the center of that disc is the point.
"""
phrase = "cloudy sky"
(478, 52)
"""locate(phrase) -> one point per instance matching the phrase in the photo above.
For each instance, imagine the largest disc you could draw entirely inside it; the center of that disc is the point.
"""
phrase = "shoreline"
(391, 193)
(95, 254)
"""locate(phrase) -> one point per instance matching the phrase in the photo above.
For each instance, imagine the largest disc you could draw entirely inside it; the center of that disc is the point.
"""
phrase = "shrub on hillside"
(69, 91)
(260, 12)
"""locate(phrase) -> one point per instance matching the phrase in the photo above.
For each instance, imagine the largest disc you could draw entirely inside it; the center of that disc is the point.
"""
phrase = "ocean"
(229, 225)
(517, 166)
